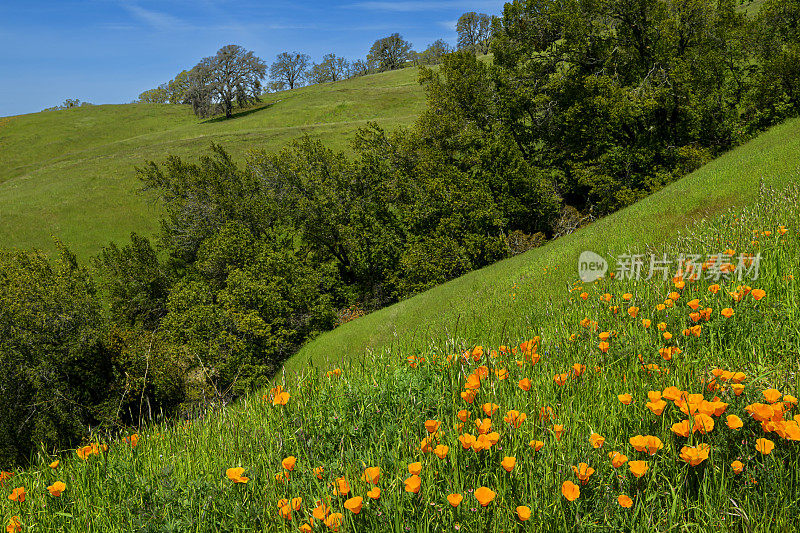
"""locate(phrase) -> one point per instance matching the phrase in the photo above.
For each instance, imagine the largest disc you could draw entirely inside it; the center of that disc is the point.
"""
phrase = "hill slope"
(71, 173)
(481, 303)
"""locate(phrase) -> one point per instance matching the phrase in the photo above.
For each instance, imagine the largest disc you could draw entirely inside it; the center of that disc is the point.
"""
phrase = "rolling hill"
(70, 173)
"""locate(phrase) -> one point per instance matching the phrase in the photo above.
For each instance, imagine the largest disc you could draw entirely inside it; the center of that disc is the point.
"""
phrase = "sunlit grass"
(393, 408)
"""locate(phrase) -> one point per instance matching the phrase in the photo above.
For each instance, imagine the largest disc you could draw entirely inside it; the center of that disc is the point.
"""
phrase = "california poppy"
(617, 459)
(413, 484)
(371, 475)
(694, 455)
(318, 472)
(354, 504)
(374, 493)
(54, 464)
(463, 415)
(625, 501)
(341, 487)
(523, 513)
(625, 398)
(525, 384)
(765, 446)
(56, 488)
(508, 463)
(772, 395)
(321, 510)
(683, 428)
(484, 495)
(558, 429)
(638, 468)
(441, 451)
(656, 407)
(737, 467)
(334, 521)
(734, 422)
(466, 440)
(584, 472)
(289, 462)
(14, 525)
(570, 491)
(454, 499)
(596, 440)
(703, 423)
(727, 312)
(17, 495)
(515, 418)
(536, 445)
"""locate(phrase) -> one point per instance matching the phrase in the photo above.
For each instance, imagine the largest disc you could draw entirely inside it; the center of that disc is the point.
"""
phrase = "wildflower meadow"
(639, 405)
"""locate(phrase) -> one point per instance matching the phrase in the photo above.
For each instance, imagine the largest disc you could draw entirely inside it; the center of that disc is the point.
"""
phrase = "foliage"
(332, 68)
(474, 32)
(289, 68)
(233, 74)
(433, 54)
(389, 53)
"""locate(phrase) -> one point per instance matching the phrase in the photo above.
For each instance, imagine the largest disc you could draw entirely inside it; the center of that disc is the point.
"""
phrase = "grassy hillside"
(481, 303)
(71, 173)
(640, 405)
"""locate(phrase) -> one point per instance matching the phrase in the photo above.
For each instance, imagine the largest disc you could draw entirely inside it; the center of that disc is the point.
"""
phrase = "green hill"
(573, 432)
(480, 304)
(71, 174)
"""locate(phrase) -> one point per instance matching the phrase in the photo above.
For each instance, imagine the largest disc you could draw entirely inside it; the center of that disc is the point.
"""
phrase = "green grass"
(373, 415)
(70, 173)
(374, 412)
(479, 304)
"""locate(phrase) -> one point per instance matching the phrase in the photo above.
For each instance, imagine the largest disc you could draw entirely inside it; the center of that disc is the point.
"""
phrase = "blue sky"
(109, 51)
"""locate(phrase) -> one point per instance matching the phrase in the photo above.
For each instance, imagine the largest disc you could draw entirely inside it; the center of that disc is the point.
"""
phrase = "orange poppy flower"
(515, 418)
(17, 495)
(297, 503)
(617, 459)
(484, 495)
(656, 407)
(523, 513)
(279, 396)
(54, 464)
(682, 428)
(509, 463)
(306, 528)
(765, 446)
(536, 445)
(14, 525)
(372, 475)
(578, 369)
(432, 426)
(285, 512)
(560, 379)
(570, 491)
(133, 440)
(56, 488)
(734, 422)
(737, 467)
(625, 398)
(341, 487)
(703, 423)
(426, 445)
(466, 440)
(525, 384)
(354, 504)
(584, 472)
(468, 396)
(235, 475)
(694, 455)
(772, 395)
(483, 426)
(334, 521)
(649, 444)
(758, 293)
(320, 511)
(289, 462)
(490, 408)
(584, 295)
(638, 468)
(463, 415)
(374, 493)
(413, 484)
(596, 440)
(473, 382)
(603, 346)
(727, 312)
(501, 373)
(646, 322)
(624, 501)
(558, 429)
(415, 469)
(441, 451)
(318, 472)
(454, 499)
(633, 311)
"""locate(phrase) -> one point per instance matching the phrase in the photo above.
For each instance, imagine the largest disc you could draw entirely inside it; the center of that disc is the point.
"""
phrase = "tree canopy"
(389, 53)
(289, 68)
